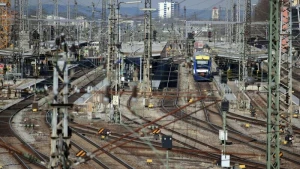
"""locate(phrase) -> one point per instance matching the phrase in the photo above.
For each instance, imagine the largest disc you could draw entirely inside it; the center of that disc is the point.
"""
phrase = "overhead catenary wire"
(170, 113)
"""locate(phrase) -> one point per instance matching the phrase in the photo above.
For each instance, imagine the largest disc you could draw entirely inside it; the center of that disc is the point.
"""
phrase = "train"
(202, 67)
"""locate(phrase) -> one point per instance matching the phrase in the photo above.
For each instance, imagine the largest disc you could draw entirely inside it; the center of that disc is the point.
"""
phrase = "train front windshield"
(201, 63)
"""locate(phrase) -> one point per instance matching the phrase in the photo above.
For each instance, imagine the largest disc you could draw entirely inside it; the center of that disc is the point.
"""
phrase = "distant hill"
(82, 10)
(129, 11)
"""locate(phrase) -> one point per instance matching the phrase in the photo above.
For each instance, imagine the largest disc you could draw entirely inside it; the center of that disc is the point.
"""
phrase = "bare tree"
(261, 11)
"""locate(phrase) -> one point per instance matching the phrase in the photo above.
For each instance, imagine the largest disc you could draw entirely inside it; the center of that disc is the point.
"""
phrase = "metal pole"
(225, 133)
(286, 62)
(60, 138)
(56, 32)
(261, 71)
(68, 17)
(167, 159)
(103, 26)
(111, 39)
(77, 27)
(118, 43)
(273, 116)
(54, 136)
(141, 61)
(147, 46)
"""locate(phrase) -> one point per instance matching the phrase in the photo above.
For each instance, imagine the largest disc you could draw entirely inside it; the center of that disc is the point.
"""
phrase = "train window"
(202, 62)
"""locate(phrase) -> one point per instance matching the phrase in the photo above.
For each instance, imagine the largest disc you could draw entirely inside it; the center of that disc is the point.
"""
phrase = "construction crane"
(5, 18)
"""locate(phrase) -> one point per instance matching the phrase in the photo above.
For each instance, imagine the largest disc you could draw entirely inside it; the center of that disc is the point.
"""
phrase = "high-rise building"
(168, 9)
(215, 14)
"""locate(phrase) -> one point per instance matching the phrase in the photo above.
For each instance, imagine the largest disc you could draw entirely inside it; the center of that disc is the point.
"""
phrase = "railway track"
(141, 121)
(144, 120)
(110, 155)
(208, 155)
(263, 101)
(243, 138)
(6, 129)
(100, 163)
(212, 156)
(196, 122)
(79, 148)
(72, 98)
(156, 144)
(21, 161)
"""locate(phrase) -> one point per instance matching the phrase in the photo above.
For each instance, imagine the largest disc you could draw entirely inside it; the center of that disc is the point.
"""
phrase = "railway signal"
(104, 132)
(154, 35)
(223, 134)
(289, 139)
(156, 133)
(209, 34)
(224, 79)
(253, 112)
(35, 106)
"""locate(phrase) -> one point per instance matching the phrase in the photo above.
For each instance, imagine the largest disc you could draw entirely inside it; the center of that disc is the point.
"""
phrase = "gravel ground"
(7, 160)
(39, 137)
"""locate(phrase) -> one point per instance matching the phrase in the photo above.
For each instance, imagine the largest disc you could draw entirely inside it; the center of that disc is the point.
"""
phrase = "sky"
(190, 4)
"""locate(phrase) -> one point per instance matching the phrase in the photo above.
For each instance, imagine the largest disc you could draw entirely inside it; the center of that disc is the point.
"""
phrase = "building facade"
(296, 2)
(168, 9)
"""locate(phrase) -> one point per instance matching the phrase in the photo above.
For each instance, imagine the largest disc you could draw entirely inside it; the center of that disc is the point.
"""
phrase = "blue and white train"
(202, 67)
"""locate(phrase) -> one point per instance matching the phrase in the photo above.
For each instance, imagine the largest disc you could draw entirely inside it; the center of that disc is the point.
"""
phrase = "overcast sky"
(190, 4)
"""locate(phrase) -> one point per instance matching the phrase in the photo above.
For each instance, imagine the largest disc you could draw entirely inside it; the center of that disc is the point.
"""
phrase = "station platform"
(20, 84)
(87, 96)
(28, 83)
(137, 48)
(224, 89)
(91, 103)
(15, 96)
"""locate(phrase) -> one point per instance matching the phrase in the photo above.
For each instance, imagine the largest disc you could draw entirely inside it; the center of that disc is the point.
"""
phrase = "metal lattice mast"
(103, 27)
(244, 61)
(21, 14)
(233, 19)
(16, 27)
(56, 32)
(60, 136)
(238, 19)
(184, 10)
(247, 36)
(5, 23)
(16, 32)
(24, 14)
(111, 39)
(36, 52)
(240, 50)
(147, 45)
(227, 19)
(273, 117)
(75, 17)
(39, 16)
(286, 63)
(68, 17)
(92, 22)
